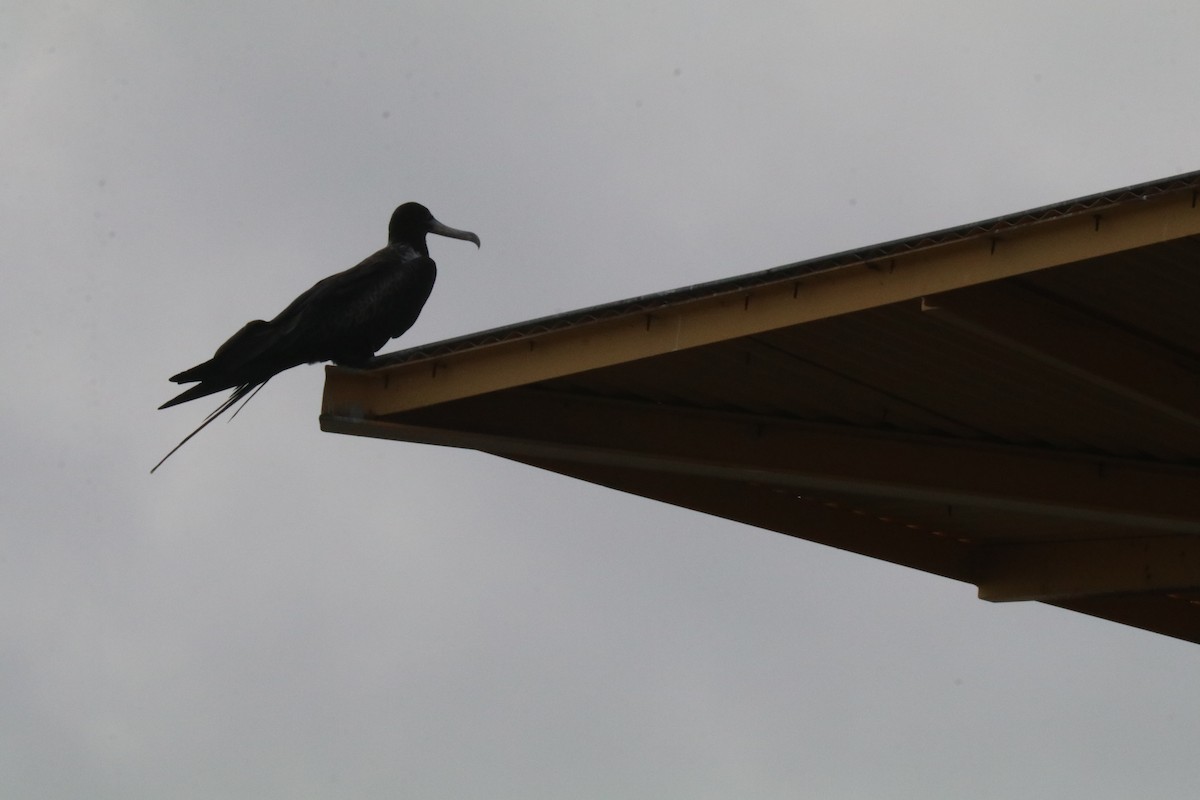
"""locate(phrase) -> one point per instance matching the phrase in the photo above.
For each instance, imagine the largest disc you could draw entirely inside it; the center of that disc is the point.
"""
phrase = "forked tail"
(245, 389)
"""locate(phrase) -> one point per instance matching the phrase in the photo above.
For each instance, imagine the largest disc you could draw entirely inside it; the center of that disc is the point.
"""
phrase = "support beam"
(1174, 614)
(538, 424)
(1075, 344)
(1062, 571)
(1170, 614)
(853, 530)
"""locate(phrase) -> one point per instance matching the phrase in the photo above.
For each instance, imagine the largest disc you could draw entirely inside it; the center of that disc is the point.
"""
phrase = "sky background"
(283, 613)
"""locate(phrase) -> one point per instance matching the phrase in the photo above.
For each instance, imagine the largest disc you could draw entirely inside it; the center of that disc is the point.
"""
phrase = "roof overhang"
(1011, 403)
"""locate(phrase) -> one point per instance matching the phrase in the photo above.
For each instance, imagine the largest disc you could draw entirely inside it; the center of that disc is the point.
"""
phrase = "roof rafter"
(771, 508)
(1071, 342)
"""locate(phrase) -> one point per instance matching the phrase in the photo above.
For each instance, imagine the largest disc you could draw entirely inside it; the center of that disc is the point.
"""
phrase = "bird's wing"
(288, 337)
(364, 303)
(238, 350)
(345, 318)
(335, 294)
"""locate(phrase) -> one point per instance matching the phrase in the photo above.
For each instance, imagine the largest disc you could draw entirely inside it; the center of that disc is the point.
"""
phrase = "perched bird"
(344, 318)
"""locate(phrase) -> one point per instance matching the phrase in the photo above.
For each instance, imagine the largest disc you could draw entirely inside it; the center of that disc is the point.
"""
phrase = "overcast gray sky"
(282, 613)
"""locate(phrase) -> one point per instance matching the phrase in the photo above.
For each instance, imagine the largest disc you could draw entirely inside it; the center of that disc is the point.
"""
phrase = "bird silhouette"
(344, 318)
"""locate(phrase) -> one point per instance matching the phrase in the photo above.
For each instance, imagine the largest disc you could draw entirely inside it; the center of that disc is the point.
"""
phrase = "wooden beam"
(916, 273)
(803, 456)
(1167, 613)
(858, 531)
(1174, 614)
(851, 529)
(1076, 344)
(1060, 571)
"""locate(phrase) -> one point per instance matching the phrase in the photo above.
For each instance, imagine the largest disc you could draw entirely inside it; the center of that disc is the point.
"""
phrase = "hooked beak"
(453, 233)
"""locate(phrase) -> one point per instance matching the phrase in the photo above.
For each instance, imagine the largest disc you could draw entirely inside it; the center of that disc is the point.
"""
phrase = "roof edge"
(989, 227)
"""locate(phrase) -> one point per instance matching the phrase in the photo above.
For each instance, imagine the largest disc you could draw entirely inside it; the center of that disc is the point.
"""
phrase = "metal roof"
(1011, 403)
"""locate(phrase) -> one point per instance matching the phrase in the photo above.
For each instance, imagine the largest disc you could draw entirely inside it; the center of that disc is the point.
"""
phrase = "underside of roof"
(1012, 403)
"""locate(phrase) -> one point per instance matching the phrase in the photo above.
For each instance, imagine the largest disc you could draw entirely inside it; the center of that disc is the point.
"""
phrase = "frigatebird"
(344, 318)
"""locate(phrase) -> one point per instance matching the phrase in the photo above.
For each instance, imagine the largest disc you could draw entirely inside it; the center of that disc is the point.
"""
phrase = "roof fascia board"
(744, 312)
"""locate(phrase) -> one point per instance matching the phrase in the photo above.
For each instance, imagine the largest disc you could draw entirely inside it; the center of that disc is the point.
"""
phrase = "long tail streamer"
(238, 393)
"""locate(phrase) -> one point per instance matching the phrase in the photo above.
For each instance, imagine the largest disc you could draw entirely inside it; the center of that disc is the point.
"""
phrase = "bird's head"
(411, 221)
